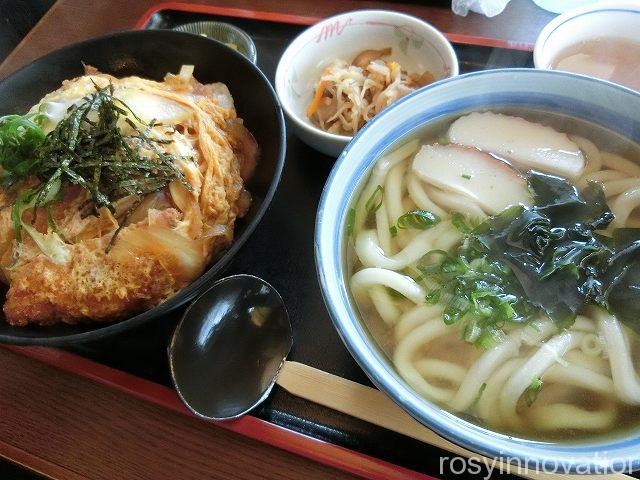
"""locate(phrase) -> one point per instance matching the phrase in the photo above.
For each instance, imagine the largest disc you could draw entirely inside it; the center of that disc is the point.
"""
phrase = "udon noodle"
(536, 379)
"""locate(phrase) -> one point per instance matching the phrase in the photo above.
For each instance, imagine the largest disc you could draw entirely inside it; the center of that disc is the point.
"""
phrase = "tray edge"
(308, 20)
(298, 443)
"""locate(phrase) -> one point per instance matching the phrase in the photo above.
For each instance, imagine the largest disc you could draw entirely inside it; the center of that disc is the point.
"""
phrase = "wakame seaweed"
(621, 281)
(546, 257)
(87, 148)
(557, 256)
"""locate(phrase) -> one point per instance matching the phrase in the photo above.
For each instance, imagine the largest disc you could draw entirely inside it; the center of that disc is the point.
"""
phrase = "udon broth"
(538, 378)
(611, 58)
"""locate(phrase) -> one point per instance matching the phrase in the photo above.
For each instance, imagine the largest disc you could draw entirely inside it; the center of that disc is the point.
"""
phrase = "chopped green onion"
(459, 223)
(375, 200)
(489, 338)
(471, 332)
(393, 231)
(532, 391)
(466, 177)
(428, 266)
(418, 219)
(20, 136)
(478, 396)
(350, 222)
(454, 265)
(438, 252)
(433, 297)
(457, 307)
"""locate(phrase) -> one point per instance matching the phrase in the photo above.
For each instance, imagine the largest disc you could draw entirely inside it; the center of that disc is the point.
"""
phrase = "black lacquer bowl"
(151, 54)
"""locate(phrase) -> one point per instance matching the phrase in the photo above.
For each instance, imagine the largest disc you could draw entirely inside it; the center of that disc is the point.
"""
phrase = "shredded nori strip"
(88, 148)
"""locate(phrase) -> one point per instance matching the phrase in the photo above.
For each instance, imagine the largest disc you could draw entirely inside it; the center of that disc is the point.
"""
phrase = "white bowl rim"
(549, 28)
(280, 75)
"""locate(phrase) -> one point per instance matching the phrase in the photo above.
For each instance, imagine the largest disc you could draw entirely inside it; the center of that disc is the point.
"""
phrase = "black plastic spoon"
(226, 351)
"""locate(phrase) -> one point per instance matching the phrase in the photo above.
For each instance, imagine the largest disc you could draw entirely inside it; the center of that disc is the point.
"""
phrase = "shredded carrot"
(316, 100)
(426, 78)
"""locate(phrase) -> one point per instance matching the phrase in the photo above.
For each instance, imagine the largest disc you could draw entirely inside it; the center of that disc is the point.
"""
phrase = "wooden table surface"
(67, 427)
(71, 428)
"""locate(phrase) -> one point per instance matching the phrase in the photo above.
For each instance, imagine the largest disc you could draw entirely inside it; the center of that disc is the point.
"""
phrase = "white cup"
(607, 19)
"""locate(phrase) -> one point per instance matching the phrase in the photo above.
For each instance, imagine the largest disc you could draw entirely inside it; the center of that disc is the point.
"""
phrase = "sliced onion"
(183, 257)
(186, 72)
(156, 201)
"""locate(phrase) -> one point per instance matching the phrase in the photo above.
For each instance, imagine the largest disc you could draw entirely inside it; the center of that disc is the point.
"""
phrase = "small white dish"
(605, 19)
(415, 44)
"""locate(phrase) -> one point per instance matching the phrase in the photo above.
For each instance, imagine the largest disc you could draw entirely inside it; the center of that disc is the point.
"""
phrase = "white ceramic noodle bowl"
(598, 101)
(415, 44)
